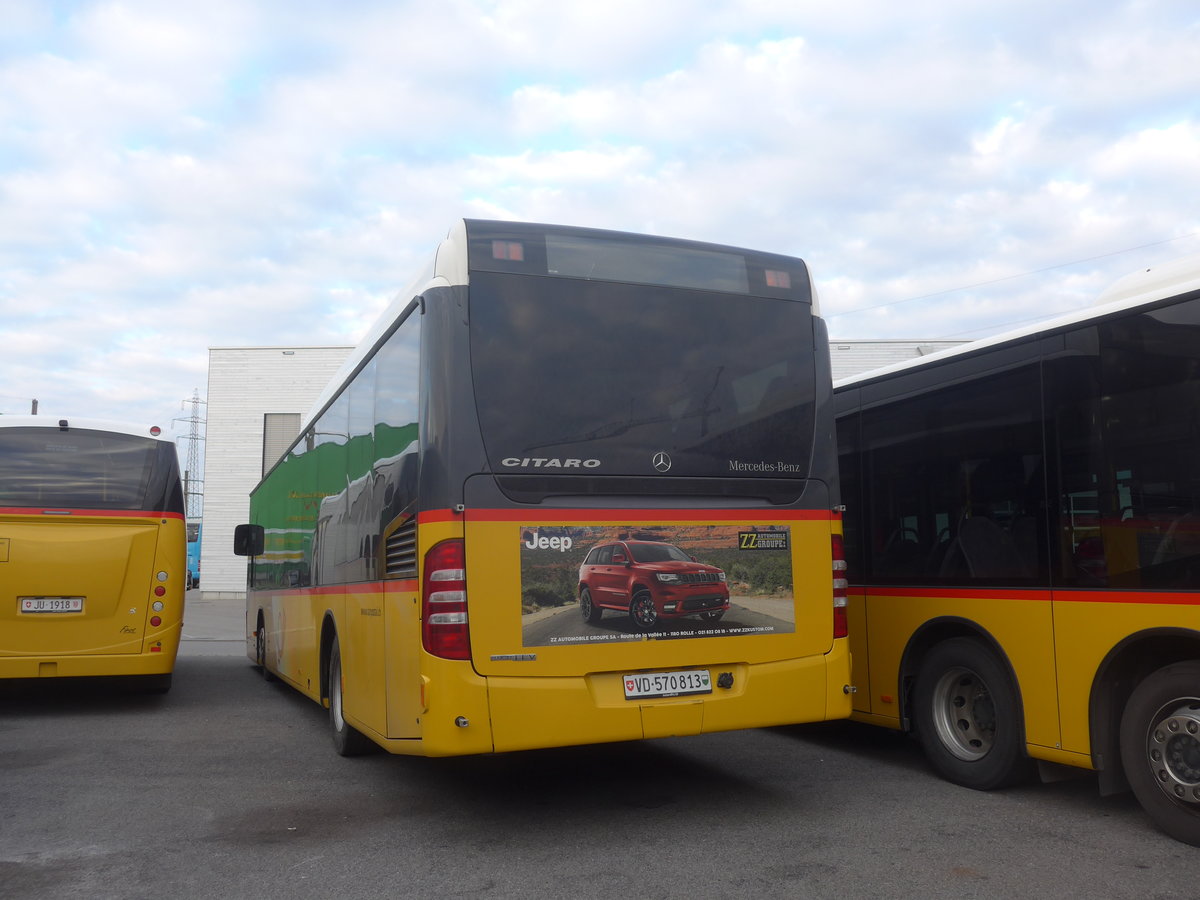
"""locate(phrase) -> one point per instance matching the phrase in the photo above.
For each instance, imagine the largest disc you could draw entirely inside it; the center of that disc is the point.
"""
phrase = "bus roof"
(1140, 288)
(56, 422)
(449, 268)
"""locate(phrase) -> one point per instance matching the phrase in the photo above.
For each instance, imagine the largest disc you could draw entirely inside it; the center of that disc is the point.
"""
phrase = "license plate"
(667, 684)
(50, 604)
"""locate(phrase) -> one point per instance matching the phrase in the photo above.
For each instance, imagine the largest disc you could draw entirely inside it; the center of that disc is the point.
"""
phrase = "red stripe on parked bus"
(1037, 595)
(105, 513)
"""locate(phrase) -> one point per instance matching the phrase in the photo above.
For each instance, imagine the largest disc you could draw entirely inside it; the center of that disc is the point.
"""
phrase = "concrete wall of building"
(244, 384)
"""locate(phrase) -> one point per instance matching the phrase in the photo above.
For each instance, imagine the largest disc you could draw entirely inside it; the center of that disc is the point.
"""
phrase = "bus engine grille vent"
(400, 559)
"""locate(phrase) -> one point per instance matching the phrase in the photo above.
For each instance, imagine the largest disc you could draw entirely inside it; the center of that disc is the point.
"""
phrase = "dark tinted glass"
(562, 252)
(1126, 405)
(954, 482)
(599, 377)
(343, 487)
(79, 469)
(573, 256)
(852, 521)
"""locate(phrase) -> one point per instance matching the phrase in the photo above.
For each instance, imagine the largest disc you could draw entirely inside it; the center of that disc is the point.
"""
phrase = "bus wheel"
(966, 716)
(1160, 748)
(643, 612)
(156, 684)
(260, 651)
(346, 740)
(591, 612)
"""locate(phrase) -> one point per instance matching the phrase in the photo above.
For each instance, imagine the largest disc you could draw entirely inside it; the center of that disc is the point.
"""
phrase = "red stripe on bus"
(1173, 598)
(1040, 595)
(957, 593)
(99, 513)
(333, 590)
(629, 515)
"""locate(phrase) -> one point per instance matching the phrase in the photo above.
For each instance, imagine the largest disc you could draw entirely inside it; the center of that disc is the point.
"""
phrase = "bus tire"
(156, 684)
(1160, 748)
(346, 741)
(590, 611)
(642, 611)
(260, 651)
(967, 716)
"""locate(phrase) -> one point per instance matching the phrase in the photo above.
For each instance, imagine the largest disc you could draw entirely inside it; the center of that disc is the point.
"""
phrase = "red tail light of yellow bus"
(840, 588)
(444, 602)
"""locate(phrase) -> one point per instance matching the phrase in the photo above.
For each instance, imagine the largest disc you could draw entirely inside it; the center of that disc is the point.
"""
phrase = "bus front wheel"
(260, 651)
(967, 716)
(1160, 748)
(346, 740)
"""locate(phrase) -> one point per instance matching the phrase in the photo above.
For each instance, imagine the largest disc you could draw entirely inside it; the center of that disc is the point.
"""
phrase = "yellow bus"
(92, 544)
(1023, 537)
(575, 486)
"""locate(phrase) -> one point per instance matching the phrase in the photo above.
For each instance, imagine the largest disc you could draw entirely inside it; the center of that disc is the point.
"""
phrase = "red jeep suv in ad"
(651, 581)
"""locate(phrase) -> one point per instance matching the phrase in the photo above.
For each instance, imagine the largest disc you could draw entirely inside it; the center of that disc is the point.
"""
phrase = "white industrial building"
(257, 397)
(851, 357)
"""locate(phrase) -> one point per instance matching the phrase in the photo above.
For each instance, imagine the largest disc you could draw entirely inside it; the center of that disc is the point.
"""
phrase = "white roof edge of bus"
(1146, 285)
(42, 420)
(1166, 279)
(434, 273)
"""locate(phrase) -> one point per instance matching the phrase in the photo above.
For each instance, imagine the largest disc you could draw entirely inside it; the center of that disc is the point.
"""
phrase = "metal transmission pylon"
(193, 476)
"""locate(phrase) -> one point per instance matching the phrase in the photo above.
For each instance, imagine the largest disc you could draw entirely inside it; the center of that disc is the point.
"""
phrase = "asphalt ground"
(228, 787)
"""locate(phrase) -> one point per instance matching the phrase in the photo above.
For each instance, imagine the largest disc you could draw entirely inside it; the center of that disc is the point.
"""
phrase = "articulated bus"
(1023, 537)
(575, 486)
(92, 537)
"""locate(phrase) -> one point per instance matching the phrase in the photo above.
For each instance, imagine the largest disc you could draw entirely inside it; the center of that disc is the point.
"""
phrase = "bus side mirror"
(248, 540)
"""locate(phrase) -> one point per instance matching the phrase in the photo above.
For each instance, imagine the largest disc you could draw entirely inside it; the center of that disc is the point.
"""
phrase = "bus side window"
(954, 483)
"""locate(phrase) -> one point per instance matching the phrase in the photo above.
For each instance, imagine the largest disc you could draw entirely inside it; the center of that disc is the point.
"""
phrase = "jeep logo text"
(537, 542)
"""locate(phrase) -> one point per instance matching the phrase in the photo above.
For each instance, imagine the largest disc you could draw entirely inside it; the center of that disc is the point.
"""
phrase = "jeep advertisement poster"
(584, 584)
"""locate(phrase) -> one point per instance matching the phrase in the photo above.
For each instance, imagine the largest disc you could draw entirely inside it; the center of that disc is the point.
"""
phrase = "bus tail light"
(840, 588)
(444, 602)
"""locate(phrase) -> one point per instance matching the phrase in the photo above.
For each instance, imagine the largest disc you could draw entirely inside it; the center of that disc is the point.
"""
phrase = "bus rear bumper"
(93, 666)
(536, 712)
(507, 713)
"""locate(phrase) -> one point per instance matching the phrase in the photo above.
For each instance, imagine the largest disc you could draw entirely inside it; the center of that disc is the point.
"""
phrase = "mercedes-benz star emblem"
(662, 461)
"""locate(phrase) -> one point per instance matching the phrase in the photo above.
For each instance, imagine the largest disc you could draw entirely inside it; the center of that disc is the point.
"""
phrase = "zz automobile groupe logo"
(661, 461)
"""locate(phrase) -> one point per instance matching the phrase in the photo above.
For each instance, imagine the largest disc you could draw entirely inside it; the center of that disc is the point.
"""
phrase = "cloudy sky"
(176, 176)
